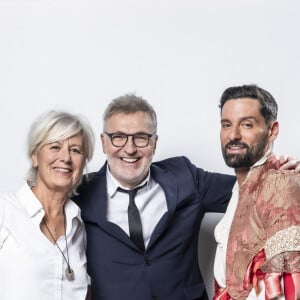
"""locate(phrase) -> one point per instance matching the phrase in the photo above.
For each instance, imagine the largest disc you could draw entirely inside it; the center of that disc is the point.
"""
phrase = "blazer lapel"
(97, 208)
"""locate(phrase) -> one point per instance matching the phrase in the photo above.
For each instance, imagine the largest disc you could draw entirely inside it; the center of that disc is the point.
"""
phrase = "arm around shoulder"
(217, 191)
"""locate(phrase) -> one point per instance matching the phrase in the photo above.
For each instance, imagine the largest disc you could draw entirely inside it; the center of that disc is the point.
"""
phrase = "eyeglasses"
(139, 140)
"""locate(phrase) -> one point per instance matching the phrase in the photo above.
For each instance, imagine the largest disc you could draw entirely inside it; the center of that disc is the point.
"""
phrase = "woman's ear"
(34, 160)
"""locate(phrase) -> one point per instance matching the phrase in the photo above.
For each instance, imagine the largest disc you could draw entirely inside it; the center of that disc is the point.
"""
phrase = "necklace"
(69, 271)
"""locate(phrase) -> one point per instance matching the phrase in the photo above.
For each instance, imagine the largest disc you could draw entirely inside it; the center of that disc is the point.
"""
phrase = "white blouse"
(31, 267)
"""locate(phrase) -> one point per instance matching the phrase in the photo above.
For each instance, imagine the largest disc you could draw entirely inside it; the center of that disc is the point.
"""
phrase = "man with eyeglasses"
(132, 199)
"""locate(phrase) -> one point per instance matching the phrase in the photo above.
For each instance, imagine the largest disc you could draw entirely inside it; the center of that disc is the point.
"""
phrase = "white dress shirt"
(150, 201)
(31, 267)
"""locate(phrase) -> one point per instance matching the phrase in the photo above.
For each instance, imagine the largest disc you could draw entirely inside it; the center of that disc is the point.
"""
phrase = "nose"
(235, 133)
(65, 155)
(130, 147)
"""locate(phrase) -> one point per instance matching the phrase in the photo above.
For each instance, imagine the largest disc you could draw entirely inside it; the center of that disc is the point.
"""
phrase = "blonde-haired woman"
(42, 236)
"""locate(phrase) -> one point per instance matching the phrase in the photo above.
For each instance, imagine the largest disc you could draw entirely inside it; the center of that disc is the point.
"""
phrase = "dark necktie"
(134, 219)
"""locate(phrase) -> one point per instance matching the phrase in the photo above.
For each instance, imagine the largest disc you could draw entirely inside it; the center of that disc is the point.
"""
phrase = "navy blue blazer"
(168, 270)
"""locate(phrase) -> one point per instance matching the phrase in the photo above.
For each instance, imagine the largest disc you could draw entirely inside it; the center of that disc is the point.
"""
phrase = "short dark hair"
(269, 107)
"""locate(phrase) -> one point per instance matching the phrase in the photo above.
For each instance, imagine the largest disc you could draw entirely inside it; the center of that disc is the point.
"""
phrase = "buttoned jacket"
(168, 270)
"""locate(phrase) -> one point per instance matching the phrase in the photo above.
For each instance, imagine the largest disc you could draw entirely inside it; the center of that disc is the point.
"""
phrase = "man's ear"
(155, 142)
(103, 143)
(273, 131)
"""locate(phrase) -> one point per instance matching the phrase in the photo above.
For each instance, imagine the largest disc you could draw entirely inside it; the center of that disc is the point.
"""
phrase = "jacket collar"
(94, 210)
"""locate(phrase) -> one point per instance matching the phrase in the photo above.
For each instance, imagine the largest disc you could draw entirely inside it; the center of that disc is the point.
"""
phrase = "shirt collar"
(35, 209)
(113, 184)
(30, 202)
(261, 161)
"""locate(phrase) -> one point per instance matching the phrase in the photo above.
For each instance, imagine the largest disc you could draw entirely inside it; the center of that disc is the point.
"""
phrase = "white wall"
(178, 54)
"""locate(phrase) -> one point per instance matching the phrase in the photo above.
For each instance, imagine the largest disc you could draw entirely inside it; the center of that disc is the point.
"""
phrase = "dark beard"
(247, 159)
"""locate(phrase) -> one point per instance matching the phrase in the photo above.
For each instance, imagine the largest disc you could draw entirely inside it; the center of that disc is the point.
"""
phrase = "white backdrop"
(178, 54)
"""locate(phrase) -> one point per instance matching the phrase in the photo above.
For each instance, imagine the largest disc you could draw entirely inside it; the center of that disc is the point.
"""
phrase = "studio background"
(179, 55)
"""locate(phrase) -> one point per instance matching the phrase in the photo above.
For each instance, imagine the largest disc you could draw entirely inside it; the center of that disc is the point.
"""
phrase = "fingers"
(284, 158)
(290, 163)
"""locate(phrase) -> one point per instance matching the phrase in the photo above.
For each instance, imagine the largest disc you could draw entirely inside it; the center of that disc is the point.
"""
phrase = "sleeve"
(283, 251)
(277, 284)
(282, 223)
(282, 248)
(214, 189)
(276, 216)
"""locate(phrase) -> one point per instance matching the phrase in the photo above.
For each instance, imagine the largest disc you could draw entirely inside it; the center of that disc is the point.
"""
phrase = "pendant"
(69, 274)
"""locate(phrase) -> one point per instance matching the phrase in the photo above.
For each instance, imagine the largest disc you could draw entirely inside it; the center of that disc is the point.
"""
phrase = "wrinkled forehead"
(130, 122)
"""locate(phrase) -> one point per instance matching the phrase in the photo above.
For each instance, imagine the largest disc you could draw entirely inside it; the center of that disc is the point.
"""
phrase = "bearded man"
(258, 251)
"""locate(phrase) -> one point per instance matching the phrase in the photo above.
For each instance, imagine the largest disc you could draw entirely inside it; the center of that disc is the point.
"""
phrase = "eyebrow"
(242, 119)
(60, 142)
(121, 132)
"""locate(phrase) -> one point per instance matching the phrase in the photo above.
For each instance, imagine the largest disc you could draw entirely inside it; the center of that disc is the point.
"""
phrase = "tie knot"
(131, 192)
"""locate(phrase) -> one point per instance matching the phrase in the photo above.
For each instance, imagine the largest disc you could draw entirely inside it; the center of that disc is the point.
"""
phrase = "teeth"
(129, 160)
(63, 170)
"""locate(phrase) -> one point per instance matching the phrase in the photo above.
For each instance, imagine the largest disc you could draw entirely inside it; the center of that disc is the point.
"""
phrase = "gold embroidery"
(282, 241)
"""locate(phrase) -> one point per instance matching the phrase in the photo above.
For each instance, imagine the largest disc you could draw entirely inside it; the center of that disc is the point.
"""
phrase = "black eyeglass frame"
(149, 136)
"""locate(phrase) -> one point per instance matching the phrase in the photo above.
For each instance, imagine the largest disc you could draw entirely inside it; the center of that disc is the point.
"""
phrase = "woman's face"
(59, 164)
